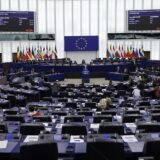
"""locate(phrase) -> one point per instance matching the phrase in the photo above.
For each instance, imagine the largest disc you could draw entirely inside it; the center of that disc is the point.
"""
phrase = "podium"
(85, 75)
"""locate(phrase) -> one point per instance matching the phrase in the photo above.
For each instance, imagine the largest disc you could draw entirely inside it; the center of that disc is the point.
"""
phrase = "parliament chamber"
(79, 80)
(41, 116)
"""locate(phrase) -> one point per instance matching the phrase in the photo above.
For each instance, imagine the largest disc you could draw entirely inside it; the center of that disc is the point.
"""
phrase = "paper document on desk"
(95, 126)
(130, 109)
(48, 129)
(77, 139)
(3, 144)
(31, 139)
(118, 118)
(45, 124)
(129, 138)
(59, 125)
(130, 125)
(53, 120)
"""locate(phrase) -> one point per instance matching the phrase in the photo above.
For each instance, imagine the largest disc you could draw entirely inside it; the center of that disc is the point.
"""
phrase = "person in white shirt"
(136, 93)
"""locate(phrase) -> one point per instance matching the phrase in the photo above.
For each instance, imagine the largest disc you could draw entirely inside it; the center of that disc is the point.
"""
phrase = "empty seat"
(154, 110)
(156, 106)
(90, 104)
(3, 128)
(108, 112)
(59, 113)
(129, 105)
(42, 118)
(73, 119)
(71, 105)
(63, 100)
(47, 99)
(144, 103)
(21, 101)
(152, 149)
(4, 104)
(155, 117)
(18, 118)
(31, 129)
(43, 109)
(121, 92)
(100, 118)
(108, 93)
(85, 113)
(132, 112)
(12, 100)
(109, 149)
(111, 128)
(96, 99)
(74, 129)
(130, 118)
(83, 109)
(148, 128)
(61, 95)
(10, 112)
(39, 150)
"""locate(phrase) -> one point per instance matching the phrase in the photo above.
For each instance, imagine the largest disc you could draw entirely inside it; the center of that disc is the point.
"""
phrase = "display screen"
(139, 20)
(16, 21)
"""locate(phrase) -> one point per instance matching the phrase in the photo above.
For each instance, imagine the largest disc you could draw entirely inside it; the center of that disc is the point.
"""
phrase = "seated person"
(153, 69)
(32, 71)
(55, 87)
(27, 84)
(20, 69)
(11, 70)
(93, 90)
(141, 70)
(110, 85)
(136, 69)
(53, 70)
(126, 71)
(118, 69)
(33, 112)
(156, 92)
(141, 85)
(83, 61)
(158, 68)
(136, 93)
(75, 62)
(130, 82)
(38, 81)
(124, 102)
(104, 103)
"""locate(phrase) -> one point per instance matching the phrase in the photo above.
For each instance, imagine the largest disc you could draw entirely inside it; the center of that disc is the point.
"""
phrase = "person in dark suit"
(124, 102)
(83, 61)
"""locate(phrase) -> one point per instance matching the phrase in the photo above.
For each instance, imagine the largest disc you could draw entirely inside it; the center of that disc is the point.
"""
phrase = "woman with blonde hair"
(104, 103)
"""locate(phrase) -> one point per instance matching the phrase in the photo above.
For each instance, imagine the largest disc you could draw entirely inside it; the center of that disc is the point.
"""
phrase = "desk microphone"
(41, 136)
(140, 136)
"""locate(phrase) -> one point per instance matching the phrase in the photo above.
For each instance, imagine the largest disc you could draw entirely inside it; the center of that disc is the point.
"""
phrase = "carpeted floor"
(92, 81)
